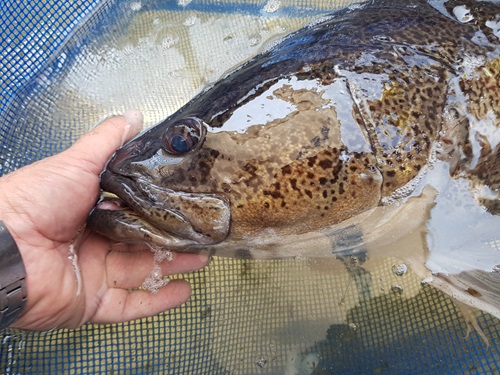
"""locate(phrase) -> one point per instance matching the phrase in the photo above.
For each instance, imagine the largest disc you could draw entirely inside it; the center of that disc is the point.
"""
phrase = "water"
(279, 317)
(147, 58)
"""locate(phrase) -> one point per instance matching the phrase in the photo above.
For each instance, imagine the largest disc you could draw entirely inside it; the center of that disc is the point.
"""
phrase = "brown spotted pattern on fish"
(325, 125)
(481, 13)
(481, 88)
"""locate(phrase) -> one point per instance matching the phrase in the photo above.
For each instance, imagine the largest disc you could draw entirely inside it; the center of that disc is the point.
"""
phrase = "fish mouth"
(133, 210)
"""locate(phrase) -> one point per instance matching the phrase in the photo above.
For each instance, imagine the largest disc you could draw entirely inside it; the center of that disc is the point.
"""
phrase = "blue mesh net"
(245, 317)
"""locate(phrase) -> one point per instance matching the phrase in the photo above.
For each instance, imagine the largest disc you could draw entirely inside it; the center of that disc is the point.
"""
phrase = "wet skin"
(327, 124)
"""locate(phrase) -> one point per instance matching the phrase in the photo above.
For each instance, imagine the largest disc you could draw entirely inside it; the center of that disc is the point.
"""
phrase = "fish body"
(337, 124)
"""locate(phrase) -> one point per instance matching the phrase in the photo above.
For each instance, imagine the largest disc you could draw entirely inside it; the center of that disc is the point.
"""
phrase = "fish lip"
(126, 192)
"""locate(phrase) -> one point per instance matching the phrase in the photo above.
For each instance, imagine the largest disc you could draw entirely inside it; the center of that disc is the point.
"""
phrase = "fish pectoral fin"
(472, 289)
(476, 288)
(381, 231)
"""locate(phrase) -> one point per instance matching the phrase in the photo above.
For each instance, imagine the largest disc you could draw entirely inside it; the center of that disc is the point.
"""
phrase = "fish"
(367, 126)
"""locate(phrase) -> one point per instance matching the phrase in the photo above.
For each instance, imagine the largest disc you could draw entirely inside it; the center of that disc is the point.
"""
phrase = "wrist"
(13, 289)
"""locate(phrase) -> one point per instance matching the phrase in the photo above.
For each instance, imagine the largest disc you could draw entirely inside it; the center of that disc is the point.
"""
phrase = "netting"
(66, 66)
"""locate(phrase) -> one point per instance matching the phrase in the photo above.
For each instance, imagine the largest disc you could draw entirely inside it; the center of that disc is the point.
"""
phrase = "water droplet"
(400, 269)
(353, 326)
(183, 3)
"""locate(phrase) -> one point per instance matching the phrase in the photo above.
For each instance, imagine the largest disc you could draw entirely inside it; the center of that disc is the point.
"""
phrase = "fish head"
(189, 182)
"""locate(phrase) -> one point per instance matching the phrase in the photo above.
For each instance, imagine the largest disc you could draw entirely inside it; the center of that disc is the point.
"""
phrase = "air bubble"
(399, 269)
(155, 281)
(169, 41)
(272, 6)
(397, 289)
(426, 281)
(255, 40)
(190, 21)
(261, 361)
(135, 6)
(161, 254)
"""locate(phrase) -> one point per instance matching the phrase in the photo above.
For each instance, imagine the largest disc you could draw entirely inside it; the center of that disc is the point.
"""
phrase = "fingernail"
(134, 124)
(204, 258)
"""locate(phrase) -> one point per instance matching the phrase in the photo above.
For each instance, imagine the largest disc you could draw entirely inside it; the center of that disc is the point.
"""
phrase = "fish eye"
(184, 135)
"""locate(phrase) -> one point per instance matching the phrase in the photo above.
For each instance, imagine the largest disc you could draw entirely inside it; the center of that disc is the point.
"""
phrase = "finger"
(129, 269)
(96, 147)
(119, 305)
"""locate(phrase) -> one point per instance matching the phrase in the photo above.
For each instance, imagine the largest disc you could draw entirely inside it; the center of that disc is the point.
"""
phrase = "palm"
(45, 206)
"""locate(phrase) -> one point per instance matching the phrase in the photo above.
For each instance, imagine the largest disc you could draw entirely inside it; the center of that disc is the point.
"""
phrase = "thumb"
(96, 147)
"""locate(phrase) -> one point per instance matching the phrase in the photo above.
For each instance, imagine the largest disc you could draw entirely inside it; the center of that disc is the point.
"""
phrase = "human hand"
(45, 204)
